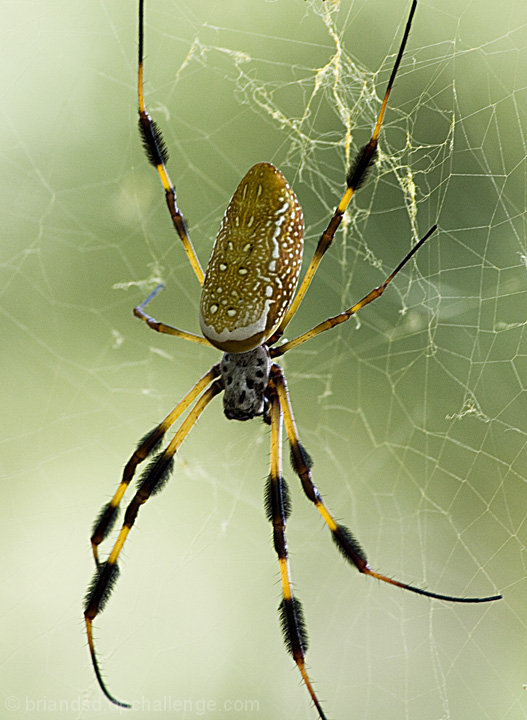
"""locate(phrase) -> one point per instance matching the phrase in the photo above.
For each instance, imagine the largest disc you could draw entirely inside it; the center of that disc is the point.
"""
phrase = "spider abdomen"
(253, 270)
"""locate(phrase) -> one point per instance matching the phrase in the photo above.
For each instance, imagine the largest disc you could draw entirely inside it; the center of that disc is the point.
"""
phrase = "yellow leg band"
(167, 185)
(284, 577)
(118, 545)
(119, 494)
(330, 522)
(343, 204)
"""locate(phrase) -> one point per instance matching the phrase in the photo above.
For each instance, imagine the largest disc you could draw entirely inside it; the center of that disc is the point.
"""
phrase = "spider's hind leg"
(157, 154)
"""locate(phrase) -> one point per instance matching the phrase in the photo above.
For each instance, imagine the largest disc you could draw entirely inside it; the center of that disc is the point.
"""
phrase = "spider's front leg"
(342, 537)
(278, 507)
(107, 516)
(151, 482)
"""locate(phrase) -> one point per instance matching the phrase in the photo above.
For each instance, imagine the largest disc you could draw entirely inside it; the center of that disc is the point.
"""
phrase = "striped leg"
(157, 154)
(151, 482)
(148, 444)
(356, 176)
(278, 507)
(346, 314)
(160, 327)
(342, 537)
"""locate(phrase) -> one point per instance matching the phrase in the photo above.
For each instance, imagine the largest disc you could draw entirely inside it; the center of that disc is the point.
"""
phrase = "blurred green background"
(415, 414)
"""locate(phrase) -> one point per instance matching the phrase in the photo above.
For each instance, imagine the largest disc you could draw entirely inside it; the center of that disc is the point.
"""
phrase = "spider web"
(414, 412)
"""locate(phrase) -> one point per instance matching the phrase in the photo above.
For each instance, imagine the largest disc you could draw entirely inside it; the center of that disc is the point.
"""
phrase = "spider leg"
(157, 154)
(150, 442)
(162, 327)
(356, 176)
(342, 537)
(150, 483)
(278, 507)
(346, 314)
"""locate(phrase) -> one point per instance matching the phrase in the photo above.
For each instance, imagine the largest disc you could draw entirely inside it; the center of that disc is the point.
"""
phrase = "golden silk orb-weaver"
(247, 300)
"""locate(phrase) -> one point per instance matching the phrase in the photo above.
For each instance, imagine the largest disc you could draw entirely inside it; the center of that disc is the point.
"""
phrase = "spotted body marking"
(255, 263)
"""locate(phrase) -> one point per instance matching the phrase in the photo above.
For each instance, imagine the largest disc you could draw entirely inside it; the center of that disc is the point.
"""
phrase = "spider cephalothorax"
(248, 298)
(245, 378)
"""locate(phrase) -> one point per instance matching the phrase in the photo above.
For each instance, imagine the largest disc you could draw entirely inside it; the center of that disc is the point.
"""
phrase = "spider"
(247, 300)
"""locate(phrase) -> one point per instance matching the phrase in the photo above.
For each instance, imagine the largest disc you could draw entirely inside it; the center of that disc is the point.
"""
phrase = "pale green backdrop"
(415, 416)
